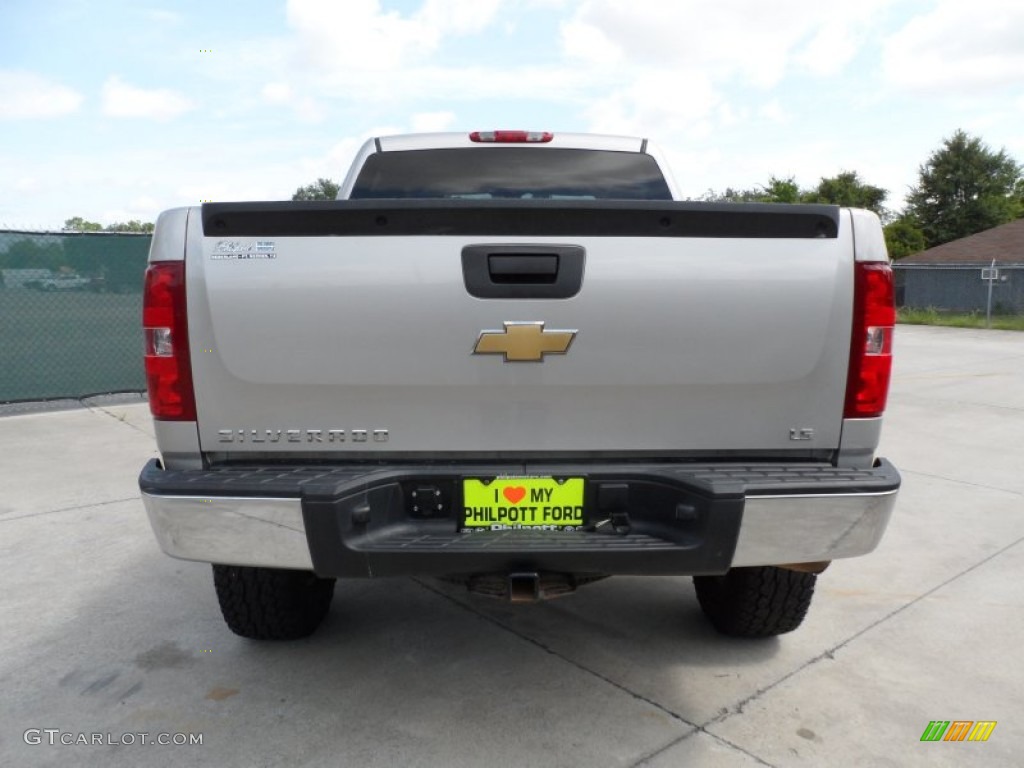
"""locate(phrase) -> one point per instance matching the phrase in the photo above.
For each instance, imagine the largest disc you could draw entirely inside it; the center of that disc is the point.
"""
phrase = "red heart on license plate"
(514, 494)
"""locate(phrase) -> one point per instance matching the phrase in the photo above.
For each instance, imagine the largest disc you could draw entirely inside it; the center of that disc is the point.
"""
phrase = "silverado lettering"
(298, 435)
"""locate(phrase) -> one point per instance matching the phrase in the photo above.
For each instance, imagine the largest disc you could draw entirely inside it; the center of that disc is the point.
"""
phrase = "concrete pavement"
(100, 633)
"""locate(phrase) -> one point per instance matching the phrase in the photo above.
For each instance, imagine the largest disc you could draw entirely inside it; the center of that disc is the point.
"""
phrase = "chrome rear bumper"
(773, 529)
(231, 531)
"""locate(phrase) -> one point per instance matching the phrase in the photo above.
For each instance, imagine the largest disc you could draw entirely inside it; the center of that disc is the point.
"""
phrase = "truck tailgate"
(341, 331)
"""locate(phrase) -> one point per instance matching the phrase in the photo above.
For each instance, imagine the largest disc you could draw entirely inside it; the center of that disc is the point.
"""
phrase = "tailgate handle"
(507, 271)
(522, 267)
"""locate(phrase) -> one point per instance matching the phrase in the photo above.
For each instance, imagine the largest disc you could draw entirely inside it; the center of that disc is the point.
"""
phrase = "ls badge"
(524, 342)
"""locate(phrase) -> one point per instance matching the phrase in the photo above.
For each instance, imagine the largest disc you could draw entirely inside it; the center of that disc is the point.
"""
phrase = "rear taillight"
(165, 330)
(874, 316)
(512, 137)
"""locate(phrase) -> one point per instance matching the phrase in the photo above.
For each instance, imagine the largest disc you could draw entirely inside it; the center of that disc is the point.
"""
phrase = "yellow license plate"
(508, 503)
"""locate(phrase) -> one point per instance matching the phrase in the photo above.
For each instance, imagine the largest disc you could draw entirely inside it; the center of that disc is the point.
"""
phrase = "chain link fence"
(967, 288)
(70, 314)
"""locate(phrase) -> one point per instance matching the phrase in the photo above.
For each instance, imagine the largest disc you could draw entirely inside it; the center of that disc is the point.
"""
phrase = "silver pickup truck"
(516, 360)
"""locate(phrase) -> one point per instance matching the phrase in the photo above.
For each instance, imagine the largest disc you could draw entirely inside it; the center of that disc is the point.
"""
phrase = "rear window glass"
(523, 173)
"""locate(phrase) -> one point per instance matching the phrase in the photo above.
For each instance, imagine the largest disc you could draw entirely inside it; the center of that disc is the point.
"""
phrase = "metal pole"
(991, 280)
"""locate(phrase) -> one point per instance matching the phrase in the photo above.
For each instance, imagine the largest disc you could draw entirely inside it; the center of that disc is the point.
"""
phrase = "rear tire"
(271, 603)
(763, 601)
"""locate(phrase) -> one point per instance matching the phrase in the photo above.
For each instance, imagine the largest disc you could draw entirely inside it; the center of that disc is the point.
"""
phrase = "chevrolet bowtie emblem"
(524, 342)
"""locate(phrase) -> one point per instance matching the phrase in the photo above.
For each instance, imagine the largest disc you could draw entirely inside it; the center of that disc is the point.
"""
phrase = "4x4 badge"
(524, 342)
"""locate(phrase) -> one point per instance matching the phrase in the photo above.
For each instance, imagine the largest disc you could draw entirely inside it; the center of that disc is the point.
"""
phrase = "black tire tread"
(762, 601)
(271, 603)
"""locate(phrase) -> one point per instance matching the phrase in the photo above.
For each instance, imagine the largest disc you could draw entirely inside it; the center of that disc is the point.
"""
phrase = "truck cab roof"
(453, 139)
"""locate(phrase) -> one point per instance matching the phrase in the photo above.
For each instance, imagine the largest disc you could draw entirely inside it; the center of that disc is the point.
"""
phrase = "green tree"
(731, 195)
(78, 224)
(776, 191)
(964, 188)
(849, 190)
(130, 226)
(782, 191)
(321, 189)
(904, 238)
(846, 189)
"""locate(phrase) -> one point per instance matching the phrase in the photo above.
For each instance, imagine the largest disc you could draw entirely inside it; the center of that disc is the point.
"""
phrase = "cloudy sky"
(117, 109)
